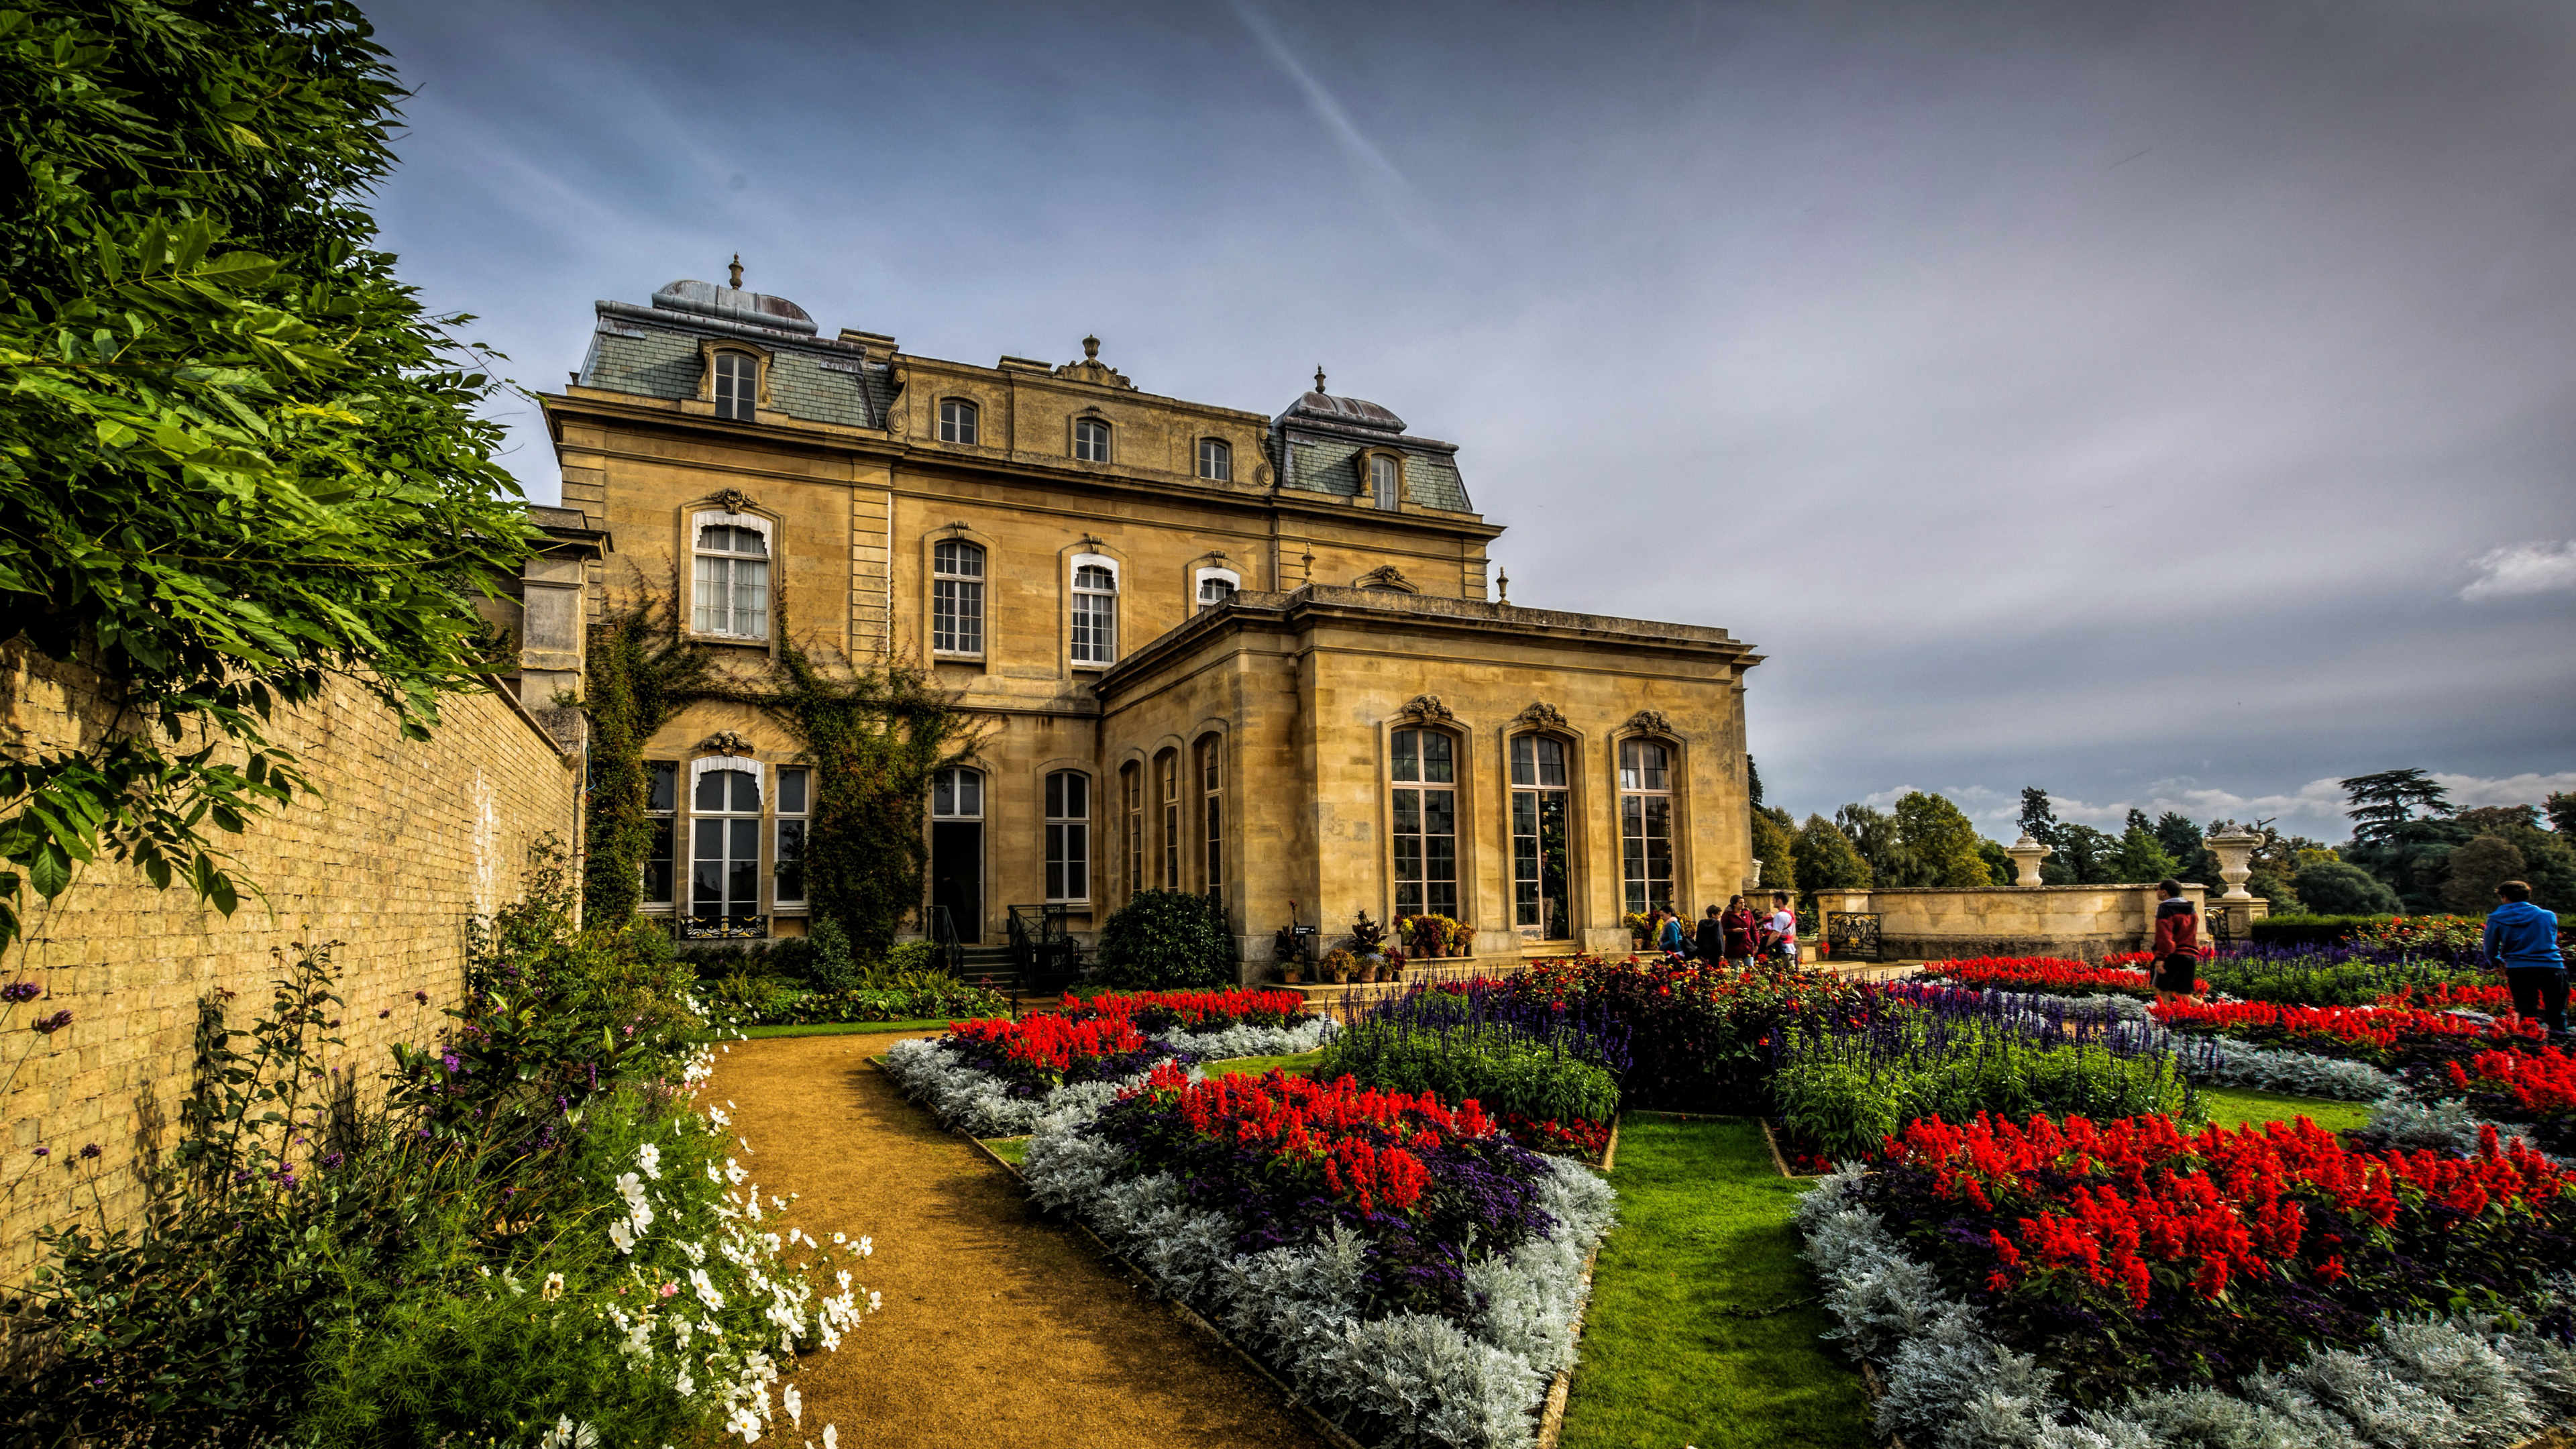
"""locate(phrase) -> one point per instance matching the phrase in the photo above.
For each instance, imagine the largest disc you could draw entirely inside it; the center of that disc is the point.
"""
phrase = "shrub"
(2308, 930)
(830, 967)
(2339, 888)
(2329, 975)
(1163, 940)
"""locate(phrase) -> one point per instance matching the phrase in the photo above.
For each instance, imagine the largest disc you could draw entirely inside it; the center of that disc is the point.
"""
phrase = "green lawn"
(843, 1028)
(2235, 1109)
(1254, 1066)
(1013, 1150)
(1668, 1358)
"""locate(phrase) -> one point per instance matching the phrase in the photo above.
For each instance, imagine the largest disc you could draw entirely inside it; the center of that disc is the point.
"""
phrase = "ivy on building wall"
(640, 674)
(874, 736)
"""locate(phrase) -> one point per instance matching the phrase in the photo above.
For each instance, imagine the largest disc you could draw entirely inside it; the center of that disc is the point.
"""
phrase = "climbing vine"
(873, 735)
(640, 673)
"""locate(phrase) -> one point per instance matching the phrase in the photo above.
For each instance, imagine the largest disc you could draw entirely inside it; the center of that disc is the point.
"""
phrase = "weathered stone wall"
(410, 838)
(1931, 923)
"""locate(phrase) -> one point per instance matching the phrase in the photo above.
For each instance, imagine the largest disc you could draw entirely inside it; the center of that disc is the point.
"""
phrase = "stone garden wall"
(1936, 923)
(410, 838)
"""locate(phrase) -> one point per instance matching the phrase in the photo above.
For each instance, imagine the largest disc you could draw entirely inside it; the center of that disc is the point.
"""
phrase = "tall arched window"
(732, 579)
(724, 880)
(1542, 894)
(1068, 836)
(1646, 825)
(1131, 784)
(1091, 440)
(1095, 613)
(1212, 812)
(1382, 480)
(956, 597)
(1216, 459)
(1167, 771)
(737, 385)
(1426, 823)
(956, 421)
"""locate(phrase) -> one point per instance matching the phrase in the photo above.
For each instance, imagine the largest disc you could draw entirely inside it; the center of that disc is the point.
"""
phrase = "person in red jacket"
(1741, 928)
(2177, 948)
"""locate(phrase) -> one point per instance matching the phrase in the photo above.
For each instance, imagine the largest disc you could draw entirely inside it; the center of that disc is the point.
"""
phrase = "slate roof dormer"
(1320, 438)
(654, 352)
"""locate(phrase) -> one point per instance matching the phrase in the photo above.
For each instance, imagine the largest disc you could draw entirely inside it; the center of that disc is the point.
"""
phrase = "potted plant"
(1637, 925)
(1290, 972)
(1366, 936)
(1368, 970)
(1462, 939)
(1430, 935)
(1393, 970)
(1283, 949)
(1339, 964)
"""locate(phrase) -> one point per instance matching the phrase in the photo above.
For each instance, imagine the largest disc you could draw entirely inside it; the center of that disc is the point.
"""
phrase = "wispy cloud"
(2523, 568)
(1402, 199)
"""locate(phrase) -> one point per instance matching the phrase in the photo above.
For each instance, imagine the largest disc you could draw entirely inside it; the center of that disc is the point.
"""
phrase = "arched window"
(957, 795)
(1091, 440)
(1425, 772)
(956, 597)
(1167, 772)
(956, 421)
(1542, 895)
(1095, 612)
(1646, 824)
(1068, 836)
(1382, 479)
(732, 578)
(737, 385)
(1212, 811)
(1216, 459)
(1215, 587)
(1131, 782)
(724, 881)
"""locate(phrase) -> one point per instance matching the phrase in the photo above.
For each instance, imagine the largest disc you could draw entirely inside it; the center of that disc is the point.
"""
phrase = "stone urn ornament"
(2235, 852)
(2026, 855)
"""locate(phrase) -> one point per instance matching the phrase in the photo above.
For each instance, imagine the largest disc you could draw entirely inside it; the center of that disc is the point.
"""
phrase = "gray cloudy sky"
(2169, 404)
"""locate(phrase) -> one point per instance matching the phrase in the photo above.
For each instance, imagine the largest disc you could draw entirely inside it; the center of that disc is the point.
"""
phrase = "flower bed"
(2537, 1087)
(1213, 1025)
(1544, 1068)
(2395, 1038)
(1697, 1035)
(1416, 1276)
(2050, 974)
(2339, 975)
(2259, 1288)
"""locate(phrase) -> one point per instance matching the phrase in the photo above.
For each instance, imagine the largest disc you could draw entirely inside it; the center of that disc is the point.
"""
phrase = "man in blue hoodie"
(2523, 939)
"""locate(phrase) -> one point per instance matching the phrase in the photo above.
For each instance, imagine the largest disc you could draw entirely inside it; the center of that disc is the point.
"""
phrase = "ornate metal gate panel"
(1851, 936)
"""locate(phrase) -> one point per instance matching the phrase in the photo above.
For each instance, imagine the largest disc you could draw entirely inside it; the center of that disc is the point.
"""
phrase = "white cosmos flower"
(867, 1247)
(685, 1384)
(831, 1436)
(553, 1289)
(795, 1406)
(622, 1235)
(718, 1118)
(875, 1301)
(707, 1293)
(713, 1175)
(649, 1157)
(735, 1172)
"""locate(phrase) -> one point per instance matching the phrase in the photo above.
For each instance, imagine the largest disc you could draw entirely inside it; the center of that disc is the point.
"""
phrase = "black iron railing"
(943, 935)
(1851, 936)
(721, 928)
(1043, 950)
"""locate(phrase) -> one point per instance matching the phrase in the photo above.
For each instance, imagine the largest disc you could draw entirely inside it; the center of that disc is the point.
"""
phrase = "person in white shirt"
(1783, 927)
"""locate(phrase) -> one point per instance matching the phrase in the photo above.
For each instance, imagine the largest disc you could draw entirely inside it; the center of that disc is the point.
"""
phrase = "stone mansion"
(1256, 657)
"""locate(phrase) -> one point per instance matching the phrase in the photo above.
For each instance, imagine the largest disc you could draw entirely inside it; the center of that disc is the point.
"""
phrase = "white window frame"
(1637, 880)
(1083, 616)
(953, 774)
(699, 522)
(1385, 480)
(1068, 838)
(1210, 768)
(965, 425)
(699, 769)
(1083, 438)
(744, 401)
(955, 595)
(1415, 789)
(1200, 603)
(1216, 459)
(780, 818)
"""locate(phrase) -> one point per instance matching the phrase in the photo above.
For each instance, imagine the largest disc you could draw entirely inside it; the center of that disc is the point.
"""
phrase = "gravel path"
(1000, 1328)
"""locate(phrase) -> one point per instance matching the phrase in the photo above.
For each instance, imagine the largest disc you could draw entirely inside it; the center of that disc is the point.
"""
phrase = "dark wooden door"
(957, 875)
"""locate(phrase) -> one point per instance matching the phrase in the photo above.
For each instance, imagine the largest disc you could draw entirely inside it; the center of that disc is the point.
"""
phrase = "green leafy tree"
(2379, 803)
(1999, 862)
(1775, 844)
(237, 457)
(1942, 838)
(2475, 869)
(2038, 815)
(1752, 781)
(2549, 860)
(2561, 809)
(2338, 888)
(2141, 858)
(2087, 856)
(1826, 860)
(1873, 833)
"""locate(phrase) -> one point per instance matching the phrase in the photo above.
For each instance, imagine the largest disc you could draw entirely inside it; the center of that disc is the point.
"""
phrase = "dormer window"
(737, 385)
(1090, 440)
(957, 421)
(1382, 479)
(1216, 460)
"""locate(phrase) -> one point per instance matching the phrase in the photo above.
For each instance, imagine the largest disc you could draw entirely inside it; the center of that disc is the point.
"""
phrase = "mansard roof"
(1321, 438)
(654, 352)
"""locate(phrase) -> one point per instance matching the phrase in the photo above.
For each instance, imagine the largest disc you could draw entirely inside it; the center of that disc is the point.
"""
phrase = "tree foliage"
(1775, 844)
(2337, 888)
(1826, 859)
(1942, 839)
(2379, 803)
(2475, 869)
(237, 457)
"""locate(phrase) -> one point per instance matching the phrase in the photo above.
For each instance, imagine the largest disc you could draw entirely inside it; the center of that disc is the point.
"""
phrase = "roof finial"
(1091, 348)
(736, 272)
(1319, 377)
(1503, 577)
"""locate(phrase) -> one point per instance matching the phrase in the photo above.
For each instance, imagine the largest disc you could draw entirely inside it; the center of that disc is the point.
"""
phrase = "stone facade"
(1140, 596)
(408, 839)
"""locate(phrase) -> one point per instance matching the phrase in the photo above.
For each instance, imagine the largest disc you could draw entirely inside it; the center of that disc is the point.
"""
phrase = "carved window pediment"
(1426, 707)
(1651, 722)
(1542, 714)
(1386, 576)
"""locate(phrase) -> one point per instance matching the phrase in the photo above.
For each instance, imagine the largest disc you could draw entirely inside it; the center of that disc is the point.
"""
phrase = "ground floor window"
(1068, 836)
(1542, 894)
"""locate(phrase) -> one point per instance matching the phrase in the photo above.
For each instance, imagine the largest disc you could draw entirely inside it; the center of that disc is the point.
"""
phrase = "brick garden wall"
(410, 839)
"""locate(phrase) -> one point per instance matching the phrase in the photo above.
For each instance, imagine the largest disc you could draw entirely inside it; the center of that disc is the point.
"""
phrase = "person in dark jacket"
(1711, 942)
(2177, 948)
(1742, 930)
(2523, 939)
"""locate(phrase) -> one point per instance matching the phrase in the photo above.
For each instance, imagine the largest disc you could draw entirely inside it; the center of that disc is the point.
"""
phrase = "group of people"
(1736, 933)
